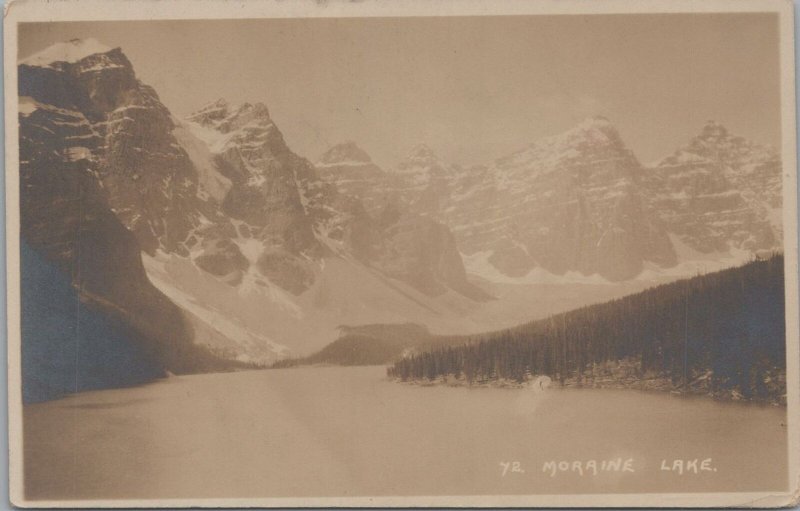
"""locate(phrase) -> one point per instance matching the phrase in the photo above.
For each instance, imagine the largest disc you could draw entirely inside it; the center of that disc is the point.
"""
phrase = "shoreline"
(655, 384)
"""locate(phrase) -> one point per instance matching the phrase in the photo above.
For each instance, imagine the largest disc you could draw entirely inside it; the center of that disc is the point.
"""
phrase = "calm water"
(349, 431)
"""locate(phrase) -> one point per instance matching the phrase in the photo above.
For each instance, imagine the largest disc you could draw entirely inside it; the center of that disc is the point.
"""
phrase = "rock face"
(568, 203)
(295, 212)
(422, 252)
(720, 193)
(279, 199)
(573, 202)
(121, 127)
(68, 227)
(395, 232)
(219, 193)
(351, 170)
(581, 202)
(264, 251)
(422, 180)
(69, 344)
(275, 197)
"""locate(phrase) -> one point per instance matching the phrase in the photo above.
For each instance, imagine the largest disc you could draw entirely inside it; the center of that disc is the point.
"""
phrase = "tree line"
(725, 328)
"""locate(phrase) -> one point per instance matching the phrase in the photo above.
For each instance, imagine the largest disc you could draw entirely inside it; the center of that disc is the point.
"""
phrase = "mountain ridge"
(267, 254)
(492, 209)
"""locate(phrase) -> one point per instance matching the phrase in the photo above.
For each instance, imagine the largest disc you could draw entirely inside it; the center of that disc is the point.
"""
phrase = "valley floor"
(335, 431)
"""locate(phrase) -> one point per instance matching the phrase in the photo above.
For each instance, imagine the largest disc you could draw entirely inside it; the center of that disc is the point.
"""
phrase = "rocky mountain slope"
(581, 204)
(351, 170)
(224, 210)
(122, 128)
(572, 202)
(295, 219)
(70, 232)
(267, 254)
(720, 193)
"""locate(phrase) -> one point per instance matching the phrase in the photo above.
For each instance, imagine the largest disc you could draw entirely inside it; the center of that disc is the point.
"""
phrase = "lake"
(336, 431)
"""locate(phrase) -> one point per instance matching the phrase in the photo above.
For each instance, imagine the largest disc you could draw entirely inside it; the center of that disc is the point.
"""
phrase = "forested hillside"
(721, 334)
(366, 345)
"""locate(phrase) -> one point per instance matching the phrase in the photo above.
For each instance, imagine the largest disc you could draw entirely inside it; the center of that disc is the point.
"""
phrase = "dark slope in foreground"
(70, 346)
(78, 255)
(721, 334)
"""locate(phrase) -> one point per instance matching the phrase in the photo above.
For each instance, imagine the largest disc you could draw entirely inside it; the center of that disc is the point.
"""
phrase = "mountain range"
(581, 201)
(251, 252)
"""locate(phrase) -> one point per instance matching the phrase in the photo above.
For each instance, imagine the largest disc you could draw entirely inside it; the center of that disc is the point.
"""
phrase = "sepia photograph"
(401, 254)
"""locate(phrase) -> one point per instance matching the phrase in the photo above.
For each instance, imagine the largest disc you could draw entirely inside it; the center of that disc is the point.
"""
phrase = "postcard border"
(19, 11)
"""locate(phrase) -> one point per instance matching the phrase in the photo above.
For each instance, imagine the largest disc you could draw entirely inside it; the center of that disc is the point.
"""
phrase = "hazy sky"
(472, 88)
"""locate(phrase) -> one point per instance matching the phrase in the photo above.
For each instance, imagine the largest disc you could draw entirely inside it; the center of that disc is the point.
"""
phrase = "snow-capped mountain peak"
(593, 131)
(727, 189)
(215, 110)
(716, 144)
(591, 144)
(346, 153)
(595, 122)
(69, 52)
(714, 130)
(223, 117)
(420, 156)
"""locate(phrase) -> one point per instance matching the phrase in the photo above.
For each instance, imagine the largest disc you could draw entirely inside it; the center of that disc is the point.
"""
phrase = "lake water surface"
(336, 431)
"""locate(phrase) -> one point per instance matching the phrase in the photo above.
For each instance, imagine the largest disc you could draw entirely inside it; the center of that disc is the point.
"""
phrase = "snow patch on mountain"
(693, 262)
(250, 346)
(27, 105)
(211, 182)
(346, 163)
(346, 153)
(70, 52)
(478, 265)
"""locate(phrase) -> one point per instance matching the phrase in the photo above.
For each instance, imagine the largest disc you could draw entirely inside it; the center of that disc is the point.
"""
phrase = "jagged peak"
(420, 156)
(714, 129)
(595, 137)
(345, 152)
(210, 113)
(595, 131)
(598, 127)
(597, 121)
(714, 144)
(69, 52)
(221, 115)
(421, 151)
(218, 105)
(714, 133)
(257, 108)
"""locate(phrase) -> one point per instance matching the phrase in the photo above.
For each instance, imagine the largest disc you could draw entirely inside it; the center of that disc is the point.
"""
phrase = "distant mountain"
(573, 202)
(294, 255)
(720, 193)
(266, 254)
(299, 217)
(580, 203)
(403, 242)
(351, 170)
(270, 207)
(264, 257)
(422, 180)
